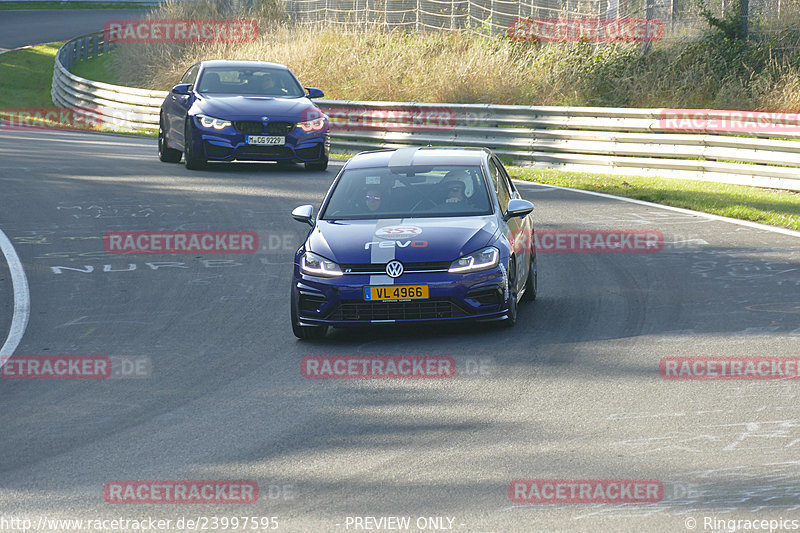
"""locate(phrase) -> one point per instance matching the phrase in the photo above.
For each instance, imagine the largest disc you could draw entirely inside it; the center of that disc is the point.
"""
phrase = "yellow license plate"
(396, 292)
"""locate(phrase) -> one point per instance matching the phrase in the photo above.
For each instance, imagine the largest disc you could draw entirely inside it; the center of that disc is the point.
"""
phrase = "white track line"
(22, 298)
(756, 225)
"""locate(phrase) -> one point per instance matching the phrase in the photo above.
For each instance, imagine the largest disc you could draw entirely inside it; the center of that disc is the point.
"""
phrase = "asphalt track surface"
(573, 392)
(20, 27)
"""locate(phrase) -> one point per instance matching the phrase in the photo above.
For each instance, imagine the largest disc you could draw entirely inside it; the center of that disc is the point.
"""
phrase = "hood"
(407, 240)
(237, 107)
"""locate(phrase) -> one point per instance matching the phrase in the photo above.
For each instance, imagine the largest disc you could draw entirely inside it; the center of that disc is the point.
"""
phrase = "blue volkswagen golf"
(242, 110)
(415, 234)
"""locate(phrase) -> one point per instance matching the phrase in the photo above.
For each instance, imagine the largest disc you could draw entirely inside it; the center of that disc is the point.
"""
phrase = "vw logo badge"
(394, 269)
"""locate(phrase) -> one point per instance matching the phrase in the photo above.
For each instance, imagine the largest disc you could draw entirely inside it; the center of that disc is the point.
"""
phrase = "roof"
(240, 63)
(423, 156)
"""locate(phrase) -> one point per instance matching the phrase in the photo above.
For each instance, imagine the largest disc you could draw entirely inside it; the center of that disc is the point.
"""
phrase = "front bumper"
(452, 297)
(230, 144)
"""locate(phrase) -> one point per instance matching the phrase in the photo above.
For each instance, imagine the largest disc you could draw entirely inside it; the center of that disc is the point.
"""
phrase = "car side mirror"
(304, 213)
(313, 92)
(182, 89)
(517, 208)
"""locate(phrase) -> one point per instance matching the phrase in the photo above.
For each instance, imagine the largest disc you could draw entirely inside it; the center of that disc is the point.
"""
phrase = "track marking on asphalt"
(22, 298)
(709, 216)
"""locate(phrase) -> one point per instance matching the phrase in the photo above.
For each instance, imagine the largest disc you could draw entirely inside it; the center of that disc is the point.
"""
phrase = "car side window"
(191, 75)
(507, 179)
(500, 182)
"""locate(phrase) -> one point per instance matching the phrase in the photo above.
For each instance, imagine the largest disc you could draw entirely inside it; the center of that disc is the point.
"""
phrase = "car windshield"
(416, 192)
(256, 81)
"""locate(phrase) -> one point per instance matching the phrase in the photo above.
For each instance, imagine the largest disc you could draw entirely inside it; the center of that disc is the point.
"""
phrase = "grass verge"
(26, 75)
(766, 206)
(97, 69)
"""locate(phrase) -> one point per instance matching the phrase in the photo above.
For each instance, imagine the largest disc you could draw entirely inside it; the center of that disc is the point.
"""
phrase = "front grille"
(367, 268)
(414, 310)
(263, 152)
(249, 126)
(280, 128)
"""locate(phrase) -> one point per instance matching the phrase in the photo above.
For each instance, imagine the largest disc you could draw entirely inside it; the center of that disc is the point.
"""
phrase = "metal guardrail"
(590, 139)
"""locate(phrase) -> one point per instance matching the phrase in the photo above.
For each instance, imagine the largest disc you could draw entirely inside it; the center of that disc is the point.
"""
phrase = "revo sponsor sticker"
(377, 367)
(398, 232)
(586, 491)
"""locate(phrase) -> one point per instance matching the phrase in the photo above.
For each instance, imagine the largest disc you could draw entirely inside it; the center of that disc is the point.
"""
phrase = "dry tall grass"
(468, 68)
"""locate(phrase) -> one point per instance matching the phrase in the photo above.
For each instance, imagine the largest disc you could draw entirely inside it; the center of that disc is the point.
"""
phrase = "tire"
(319, 165)
(511, 318)
(531, 284)
(165, 153)
(305, 333)
(190, 160)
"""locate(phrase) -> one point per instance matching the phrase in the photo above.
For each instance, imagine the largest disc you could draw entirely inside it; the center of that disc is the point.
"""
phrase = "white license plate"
(266, 140)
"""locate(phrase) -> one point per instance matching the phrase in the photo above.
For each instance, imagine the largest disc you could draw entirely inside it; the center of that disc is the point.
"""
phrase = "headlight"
(480, 260)
(313, 125)
(316, 265)
(211, 122)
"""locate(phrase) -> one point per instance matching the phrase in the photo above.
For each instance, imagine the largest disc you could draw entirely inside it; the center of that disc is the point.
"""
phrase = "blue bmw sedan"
(242, 110)
(415, 234)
